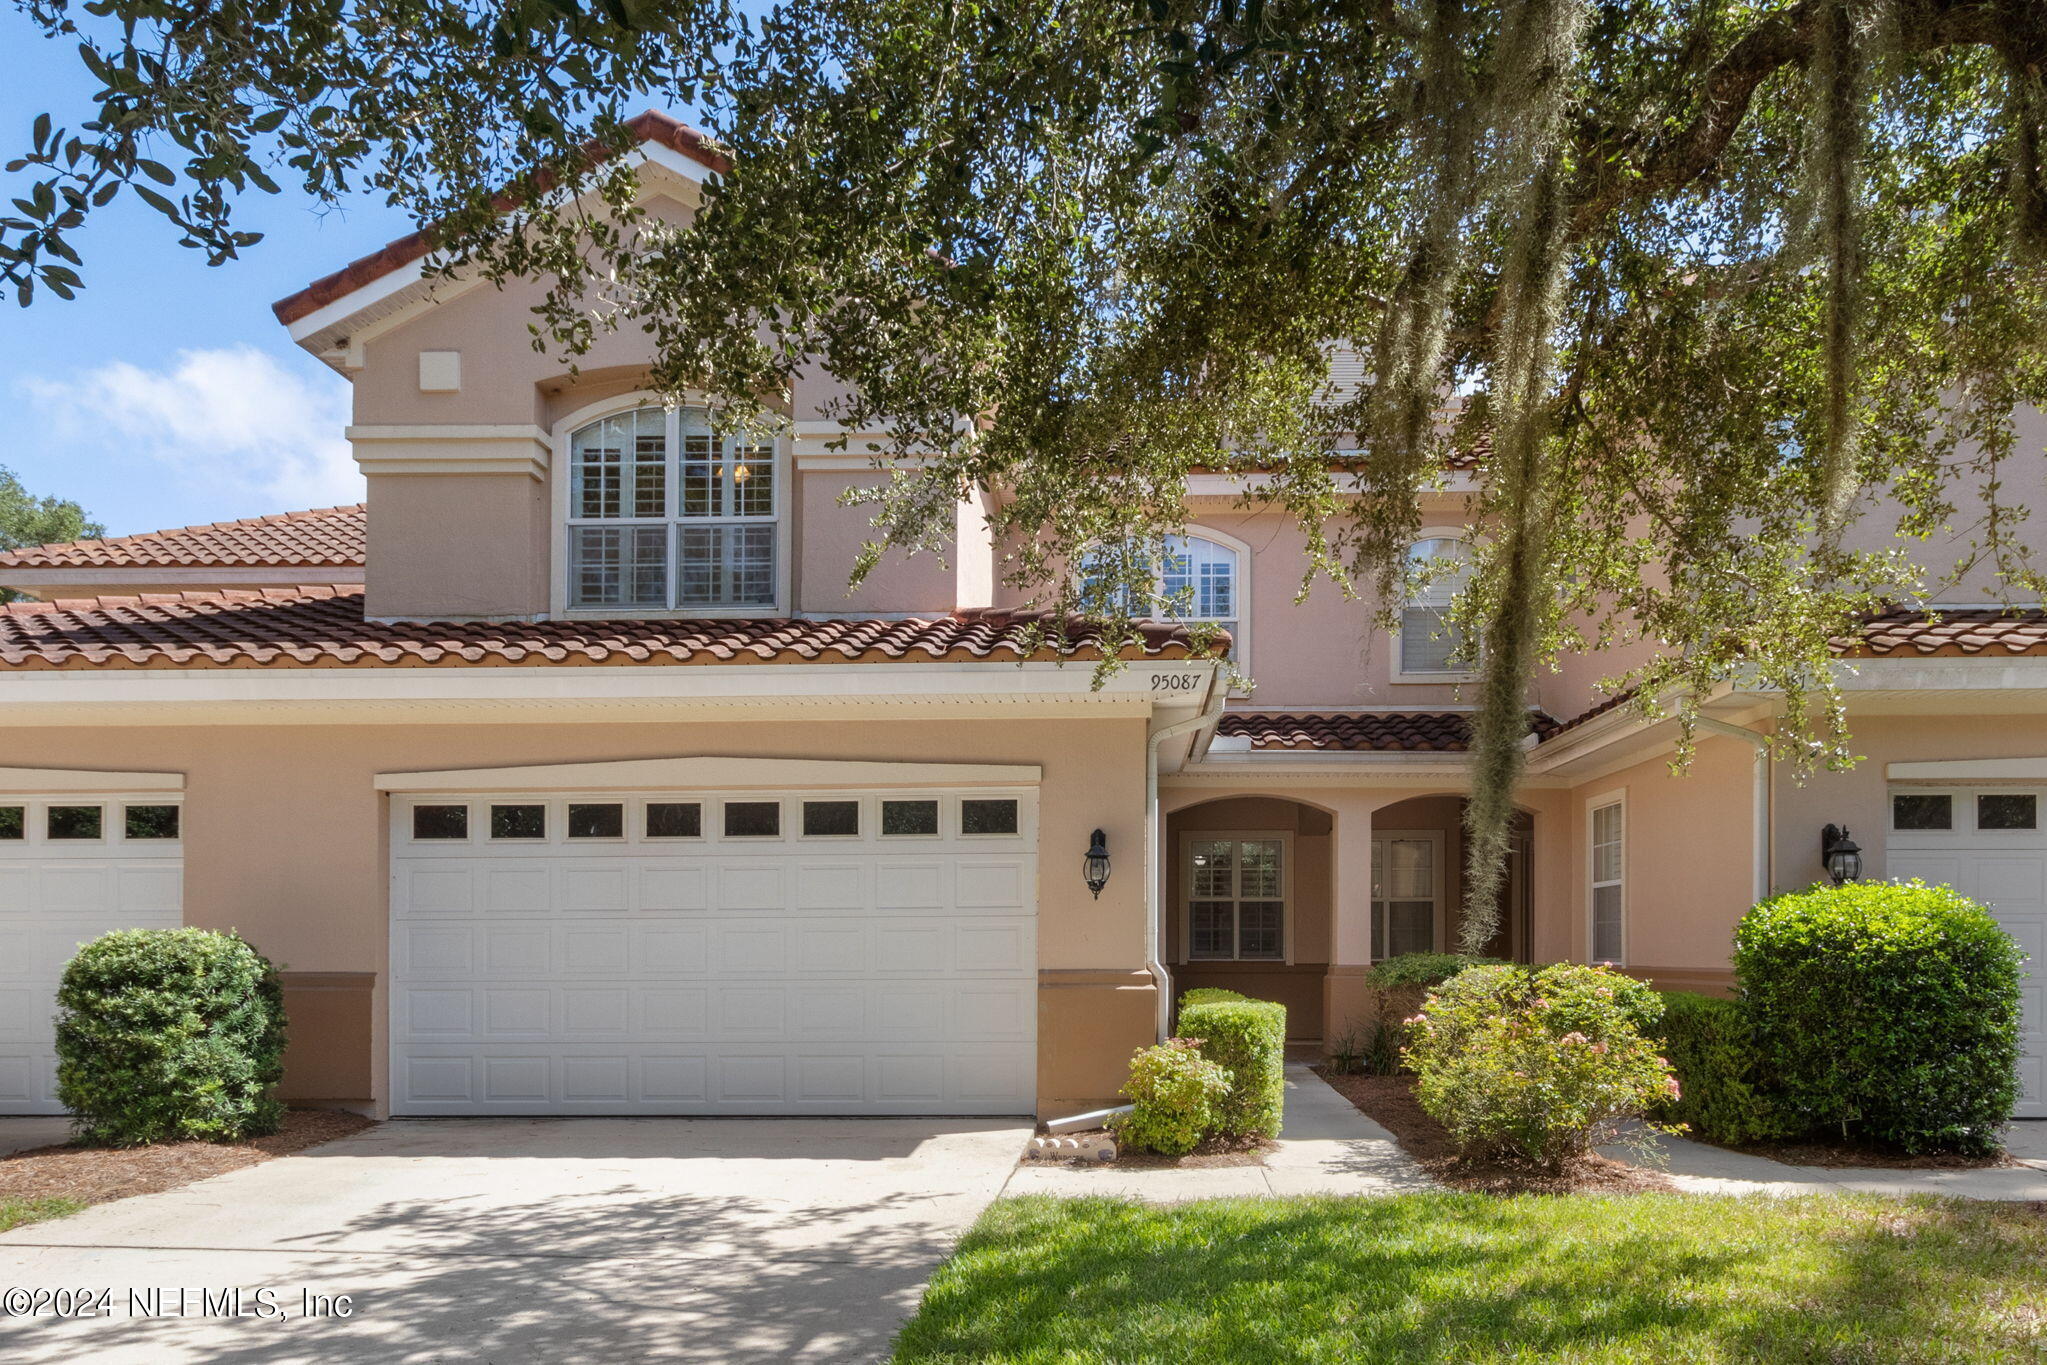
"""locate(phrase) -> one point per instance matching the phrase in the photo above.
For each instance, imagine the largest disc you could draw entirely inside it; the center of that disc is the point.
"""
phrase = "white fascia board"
(85, 780)
(1146, 685)
(355, 300)
(703, 773)
(1943, 674)
(1969, 770)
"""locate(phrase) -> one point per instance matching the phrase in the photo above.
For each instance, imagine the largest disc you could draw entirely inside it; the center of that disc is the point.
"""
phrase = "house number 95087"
(1174, 682)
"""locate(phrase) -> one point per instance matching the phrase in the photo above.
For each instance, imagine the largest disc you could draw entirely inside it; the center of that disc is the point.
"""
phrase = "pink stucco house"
(565, 776)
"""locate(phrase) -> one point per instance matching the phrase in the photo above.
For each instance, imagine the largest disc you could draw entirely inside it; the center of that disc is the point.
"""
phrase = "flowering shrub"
(1538, 1064)
(1175, 1093)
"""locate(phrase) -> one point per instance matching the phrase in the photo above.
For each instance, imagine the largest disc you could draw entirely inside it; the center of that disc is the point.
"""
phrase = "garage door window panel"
(753, 819)
(1922, 811)
(988, 817)
(76, 822)
(2009, 811)
(13, 822)
(149, 822)
(674, 820)
(831, 819)
(523, 821)
(909, 819)
(440, 822)
(596, 820)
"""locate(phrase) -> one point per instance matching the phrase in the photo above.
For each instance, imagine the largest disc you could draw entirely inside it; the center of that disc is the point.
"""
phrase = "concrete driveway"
(613, 1240)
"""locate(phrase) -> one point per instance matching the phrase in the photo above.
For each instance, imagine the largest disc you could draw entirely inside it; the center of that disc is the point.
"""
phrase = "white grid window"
(1236, 900)
(1428, 641)
(1197, 581)
(1608, 864)
(665, 514)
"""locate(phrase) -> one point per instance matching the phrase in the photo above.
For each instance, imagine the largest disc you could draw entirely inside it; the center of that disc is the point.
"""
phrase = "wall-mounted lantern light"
(1841, 854)
(1095, 866)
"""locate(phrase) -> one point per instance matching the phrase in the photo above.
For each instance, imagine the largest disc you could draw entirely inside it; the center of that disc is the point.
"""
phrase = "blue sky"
(166, 393)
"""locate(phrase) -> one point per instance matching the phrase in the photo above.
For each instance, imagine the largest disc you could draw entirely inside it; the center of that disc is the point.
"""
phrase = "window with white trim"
(1236, 900)
(1428, 640)
(1609, 834)
(1197, 581)
(1406, 894)
(665, 514)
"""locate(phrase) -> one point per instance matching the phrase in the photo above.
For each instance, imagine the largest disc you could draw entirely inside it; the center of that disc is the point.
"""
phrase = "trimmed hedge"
(1424, 969)
(1725, 1091)
(1247, 1038)
(169, 1034)
(1887, 1011)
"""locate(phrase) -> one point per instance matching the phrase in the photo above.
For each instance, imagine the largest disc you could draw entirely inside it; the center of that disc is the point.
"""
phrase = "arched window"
(665, 515)
(1428, 641)
(1199, 579)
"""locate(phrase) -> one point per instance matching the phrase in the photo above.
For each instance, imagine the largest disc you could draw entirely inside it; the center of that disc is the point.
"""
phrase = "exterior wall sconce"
(1841, 854)
(1095, 866)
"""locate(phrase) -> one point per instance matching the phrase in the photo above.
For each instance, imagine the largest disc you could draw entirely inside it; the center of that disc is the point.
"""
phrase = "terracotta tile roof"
(324, 628)
(651, 126)
(326, 537)
(1989, 631)
(1439, 731)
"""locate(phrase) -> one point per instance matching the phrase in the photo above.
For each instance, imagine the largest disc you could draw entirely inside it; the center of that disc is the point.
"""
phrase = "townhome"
(566, 775)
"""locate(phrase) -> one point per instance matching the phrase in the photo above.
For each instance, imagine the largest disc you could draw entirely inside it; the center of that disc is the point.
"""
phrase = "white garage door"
(1989, 845)
(714, 953)
(71, 868)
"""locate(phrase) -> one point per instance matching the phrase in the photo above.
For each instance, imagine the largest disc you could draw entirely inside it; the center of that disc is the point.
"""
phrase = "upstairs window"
(1428, 641)
(1198, 580)
(666, 515)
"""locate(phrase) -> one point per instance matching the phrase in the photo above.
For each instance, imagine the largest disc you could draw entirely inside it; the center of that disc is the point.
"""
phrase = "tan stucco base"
(1347, 999)
(1089, 1022)
(332, 1022)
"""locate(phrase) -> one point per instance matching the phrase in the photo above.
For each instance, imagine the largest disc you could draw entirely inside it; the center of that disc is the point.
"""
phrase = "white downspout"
(1760, 801)
(1154, 836)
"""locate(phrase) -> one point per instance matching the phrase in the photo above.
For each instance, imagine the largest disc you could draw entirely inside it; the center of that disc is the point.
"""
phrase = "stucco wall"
(285, 839)
(1688, 848)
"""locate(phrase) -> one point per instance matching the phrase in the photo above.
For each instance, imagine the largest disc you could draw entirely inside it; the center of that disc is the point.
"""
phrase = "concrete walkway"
(559, 1240)
(1698, 1168)
(1325, 1147)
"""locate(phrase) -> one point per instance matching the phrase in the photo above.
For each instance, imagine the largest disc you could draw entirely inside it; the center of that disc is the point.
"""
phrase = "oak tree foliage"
(1703, 278)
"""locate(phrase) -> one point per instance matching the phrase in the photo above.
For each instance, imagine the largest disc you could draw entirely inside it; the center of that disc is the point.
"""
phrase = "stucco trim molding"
(677, 774)
(452, 449)
(1969, 770)
(1095, 979)
(86, 780)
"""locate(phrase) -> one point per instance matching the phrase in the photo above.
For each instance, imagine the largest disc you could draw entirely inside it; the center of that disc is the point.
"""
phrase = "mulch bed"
(94, 1175)
(1215, 1151)
(1390, 1102)
(1835, 1155)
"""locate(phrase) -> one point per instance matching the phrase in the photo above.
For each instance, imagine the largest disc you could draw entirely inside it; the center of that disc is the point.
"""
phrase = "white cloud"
(232, 417)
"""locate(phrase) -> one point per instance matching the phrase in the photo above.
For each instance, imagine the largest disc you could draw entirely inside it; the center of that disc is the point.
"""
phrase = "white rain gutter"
(1218, 697)
(1759, 801)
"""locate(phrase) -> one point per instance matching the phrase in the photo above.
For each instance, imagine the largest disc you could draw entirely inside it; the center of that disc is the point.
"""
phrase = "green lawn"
(16, 1212)
(1453, 1277)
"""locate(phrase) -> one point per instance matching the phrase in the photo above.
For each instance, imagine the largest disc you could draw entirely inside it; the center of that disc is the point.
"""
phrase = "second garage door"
(1989, 844)
(714, 953)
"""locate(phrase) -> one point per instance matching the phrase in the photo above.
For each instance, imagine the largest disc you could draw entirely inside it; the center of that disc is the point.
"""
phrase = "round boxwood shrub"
(165, 1034)
(1889, 1012)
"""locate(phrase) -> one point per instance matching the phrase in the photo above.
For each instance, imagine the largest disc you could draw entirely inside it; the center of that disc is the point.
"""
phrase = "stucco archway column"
(1346, 1002)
